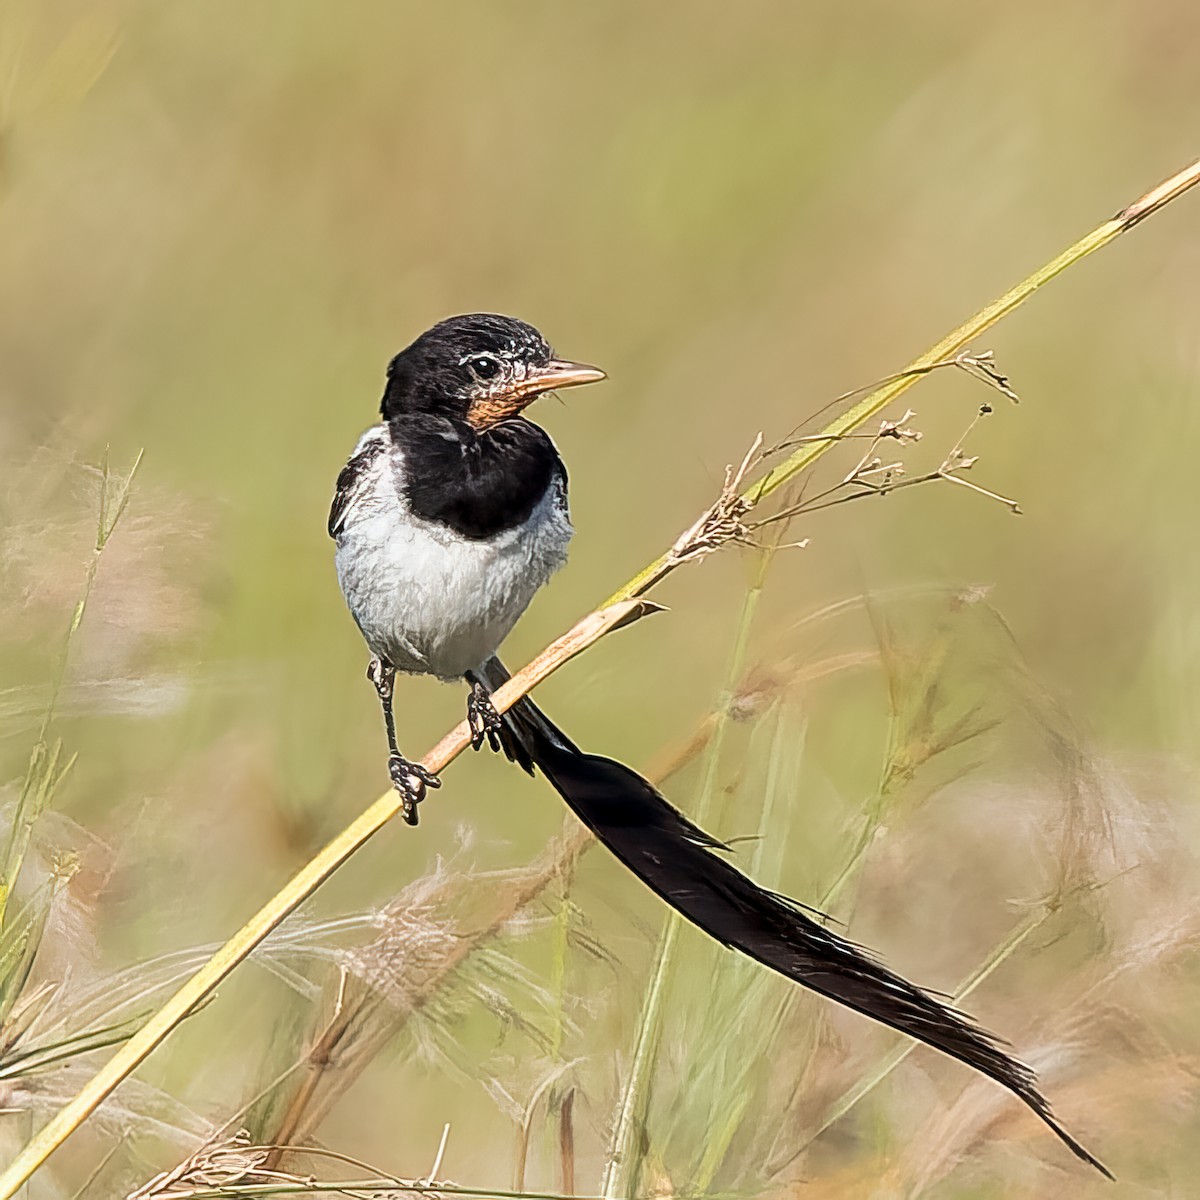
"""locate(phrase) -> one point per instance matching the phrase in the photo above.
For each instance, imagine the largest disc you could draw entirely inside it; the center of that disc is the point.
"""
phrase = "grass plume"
(722, 522)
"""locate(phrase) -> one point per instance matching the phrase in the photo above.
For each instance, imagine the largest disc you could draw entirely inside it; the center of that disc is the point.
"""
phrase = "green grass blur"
(217, 223)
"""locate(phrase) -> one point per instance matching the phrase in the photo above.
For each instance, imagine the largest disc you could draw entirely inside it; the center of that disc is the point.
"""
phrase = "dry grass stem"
(723, 522)
(216, 1164)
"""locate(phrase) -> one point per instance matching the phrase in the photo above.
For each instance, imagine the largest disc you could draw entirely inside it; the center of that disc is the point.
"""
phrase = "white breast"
(426, 598)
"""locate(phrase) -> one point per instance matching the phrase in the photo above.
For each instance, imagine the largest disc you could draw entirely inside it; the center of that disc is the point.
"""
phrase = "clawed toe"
(411, 779)
(483, 719)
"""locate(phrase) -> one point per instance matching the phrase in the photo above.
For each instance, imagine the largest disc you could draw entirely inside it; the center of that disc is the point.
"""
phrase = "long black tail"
(682, 863)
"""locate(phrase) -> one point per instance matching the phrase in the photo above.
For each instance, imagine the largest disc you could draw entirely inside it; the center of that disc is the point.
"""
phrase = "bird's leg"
(410, 779)
(482, 717)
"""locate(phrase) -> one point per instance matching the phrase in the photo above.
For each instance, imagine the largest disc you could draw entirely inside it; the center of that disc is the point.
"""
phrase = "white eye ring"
(485, 367)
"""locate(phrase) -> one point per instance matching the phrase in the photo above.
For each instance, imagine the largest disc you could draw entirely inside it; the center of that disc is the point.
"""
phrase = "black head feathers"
(459, 356)
(479, 369)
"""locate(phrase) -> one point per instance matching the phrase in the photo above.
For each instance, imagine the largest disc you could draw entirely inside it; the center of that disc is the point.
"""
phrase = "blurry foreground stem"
(612, 613)
(624, 1161)
(43, 775)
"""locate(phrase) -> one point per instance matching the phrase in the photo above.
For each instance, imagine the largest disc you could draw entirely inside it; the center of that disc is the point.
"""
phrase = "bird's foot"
(411, 779)
(483, 719)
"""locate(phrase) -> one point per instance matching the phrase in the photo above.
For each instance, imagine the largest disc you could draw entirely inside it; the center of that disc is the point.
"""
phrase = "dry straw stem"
(614, 612)
(358, 1042)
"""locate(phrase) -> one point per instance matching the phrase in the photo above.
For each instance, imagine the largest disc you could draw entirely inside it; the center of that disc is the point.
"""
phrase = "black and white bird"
(448, 517)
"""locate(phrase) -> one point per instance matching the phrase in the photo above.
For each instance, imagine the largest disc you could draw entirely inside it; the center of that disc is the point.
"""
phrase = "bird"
(449, 516)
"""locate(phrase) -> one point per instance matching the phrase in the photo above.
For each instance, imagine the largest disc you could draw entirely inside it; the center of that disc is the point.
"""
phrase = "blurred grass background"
(219, 222)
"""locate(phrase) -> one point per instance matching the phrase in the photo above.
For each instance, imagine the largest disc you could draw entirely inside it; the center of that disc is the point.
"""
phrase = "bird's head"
(479, 368)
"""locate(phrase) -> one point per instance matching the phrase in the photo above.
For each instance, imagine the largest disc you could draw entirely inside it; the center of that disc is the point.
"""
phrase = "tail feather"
(683, 865)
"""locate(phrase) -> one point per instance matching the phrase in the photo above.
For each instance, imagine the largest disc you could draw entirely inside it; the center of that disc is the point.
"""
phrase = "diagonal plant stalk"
(557, 862)
(874, 403)
(338, 851)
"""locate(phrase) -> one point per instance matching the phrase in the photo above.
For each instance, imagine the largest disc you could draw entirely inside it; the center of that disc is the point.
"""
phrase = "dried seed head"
(223, 1163)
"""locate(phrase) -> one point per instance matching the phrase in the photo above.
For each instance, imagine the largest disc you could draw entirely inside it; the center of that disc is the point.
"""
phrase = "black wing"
(351, 481)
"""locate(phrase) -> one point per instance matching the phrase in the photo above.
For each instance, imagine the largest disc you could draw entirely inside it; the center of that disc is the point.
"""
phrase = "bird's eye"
(484, 367)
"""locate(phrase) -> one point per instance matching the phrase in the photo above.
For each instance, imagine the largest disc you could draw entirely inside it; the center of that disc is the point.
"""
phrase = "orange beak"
(557, 373)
